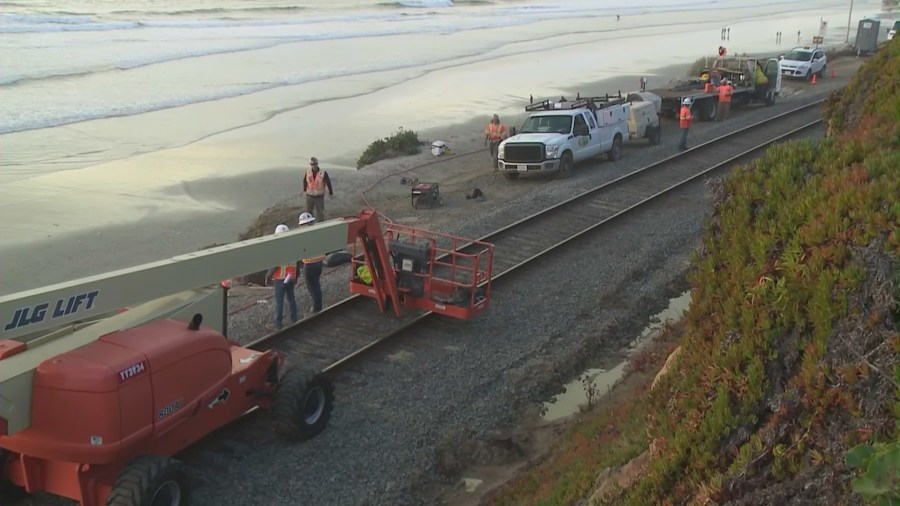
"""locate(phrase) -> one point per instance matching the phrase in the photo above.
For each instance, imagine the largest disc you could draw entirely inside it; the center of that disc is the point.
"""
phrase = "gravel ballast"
(574, 309)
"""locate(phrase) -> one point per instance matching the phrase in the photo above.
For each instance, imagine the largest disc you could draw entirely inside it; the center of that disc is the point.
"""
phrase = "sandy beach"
(114, 192)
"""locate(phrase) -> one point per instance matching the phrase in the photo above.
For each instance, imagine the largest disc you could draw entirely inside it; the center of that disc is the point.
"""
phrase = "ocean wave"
(24, 123)
(218, 10)
(417, 4)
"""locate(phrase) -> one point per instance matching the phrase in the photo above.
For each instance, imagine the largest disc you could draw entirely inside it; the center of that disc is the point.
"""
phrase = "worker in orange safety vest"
(494, 134)
(312, 270)
(284, 279)
(314, 185)
(726, 90)
(685, 118)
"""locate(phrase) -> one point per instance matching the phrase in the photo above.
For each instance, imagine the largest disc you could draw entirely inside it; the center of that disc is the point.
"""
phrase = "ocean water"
(107, 105)
(76, 60)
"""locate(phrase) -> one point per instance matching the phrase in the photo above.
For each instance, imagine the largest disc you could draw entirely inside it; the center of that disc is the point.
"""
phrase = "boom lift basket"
(435, 272)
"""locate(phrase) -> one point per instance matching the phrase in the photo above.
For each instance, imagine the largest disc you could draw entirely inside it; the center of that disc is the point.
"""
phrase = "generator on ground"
(104, 379)
(426, 195)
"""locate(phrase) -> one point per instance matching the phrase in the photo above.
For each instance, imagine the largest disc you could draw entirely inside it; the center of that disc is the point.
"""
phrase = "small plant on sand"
(402, 142)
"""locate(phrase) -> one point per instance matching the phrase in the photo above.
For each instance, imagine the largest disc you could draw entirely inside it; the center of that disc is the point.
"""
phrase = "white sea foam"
(50, 54)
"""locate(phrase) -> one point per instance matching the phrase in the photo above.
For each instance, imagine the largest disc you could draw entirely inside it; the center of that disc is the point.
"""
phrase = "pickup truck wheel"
(565, 165)
(510, 175)
(655, 134)
(302, 405)
(150, 480)
(615, 152)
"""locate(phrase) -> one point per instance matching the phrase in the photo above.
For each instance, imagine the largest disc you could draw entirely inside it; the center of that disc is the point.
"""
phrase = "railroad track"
(353, 327)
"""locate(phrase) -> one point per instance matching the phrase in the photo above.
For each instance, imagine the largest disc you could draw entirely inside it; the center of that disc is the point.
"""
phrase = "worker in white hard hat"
(284, 279)
(314, 185)
(312, 269)
(685, 118)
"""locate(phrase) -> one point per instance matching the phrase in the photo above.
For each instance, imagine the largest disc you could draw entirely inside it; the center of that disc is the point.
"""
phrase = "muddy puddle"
(593, 384)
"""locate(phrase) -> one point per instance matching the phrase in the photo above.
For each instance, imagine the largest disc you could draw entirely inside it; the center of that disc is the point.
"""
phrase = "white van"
(893, 30)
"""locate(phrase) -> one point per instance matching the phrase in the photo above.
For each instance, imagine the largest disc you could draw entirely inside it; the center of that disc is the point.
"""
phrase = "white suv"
(804, 62)
(893, 31)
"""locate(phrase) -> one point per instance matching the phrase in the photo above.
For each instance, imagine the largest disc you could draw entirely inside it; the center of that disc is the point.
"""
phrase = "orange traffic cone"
(814, 79)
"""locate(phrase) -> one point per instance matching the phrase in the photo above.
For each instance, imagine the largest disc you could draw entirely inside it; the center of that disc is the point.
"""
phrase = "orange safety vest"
(495, 131)
(685, 117)
(313, 259)
(725, 94)
(315, 183)
(282, 271)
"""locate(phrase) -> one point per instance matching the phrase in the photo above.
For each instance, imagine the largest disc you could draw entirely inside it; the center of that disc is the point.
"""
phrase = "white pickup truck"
(558, 135)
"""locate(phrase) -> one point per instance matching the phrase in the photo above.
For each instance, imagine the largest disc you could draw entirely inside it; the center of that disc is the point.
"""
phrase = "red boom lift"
(95, 400)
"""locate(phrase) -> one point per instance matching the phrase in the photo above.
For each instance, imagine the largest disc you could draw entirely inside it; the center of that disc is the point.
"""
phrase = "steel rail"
(246, 433)
(364, 320)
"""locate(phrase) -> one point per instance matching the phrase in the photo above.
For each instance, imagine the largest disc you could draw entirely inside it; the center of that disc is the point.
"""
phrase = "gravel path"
(542, 329)
(570, 311)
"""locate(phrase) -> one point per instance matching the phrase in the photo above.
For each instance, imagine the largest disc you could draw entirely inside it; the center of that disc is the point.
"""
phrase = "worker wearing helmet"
(312, 269)
(315, 183)
(685, 118)
(284, 279)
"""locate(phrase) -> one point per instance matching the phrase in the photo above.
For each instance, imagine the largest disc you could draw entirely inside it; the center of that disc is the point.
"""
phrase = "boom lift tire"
(303, 403)
(151, 480)
(566, 165)
(9, 493)
(615, 152)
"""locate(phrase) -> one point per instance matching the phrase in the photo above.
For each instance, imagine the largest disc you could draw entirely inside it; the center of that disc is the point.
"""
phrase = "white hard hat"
(687, 101)
(306, 218)
(281, 228)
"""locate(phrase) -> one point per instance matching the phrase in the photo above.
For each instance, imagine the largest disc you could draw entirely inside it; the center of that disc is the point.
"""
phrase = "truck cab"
(558, 135)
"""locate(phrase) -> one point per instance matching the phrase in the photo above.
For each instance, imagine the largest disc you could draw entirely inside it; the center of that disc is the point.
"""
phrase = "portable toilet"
(867, 35)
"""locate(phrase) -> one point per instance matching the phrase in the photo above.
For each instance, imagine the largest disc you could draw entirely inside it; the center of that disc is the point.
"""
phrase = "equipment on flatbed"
(425, 195)
(95, 400)
(754, 81)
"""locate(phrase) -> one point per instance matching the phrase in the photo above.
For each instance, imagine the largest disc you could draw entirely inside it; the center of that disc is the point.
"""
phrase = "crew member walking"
(312, 270)
(494, 133)
(284, 279)
(643, 83)
(725, 92)
(314, 185)
(685, 119)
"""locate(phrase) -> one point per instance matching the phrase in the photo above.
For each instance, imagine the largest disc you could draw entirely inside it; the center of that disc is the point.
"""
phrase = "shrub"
(403, 142)
(698, 66)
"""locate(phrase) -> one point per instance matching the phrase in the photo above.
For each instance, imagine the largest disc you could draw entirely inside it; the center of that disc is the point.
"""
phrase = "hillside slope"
(791, 352)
